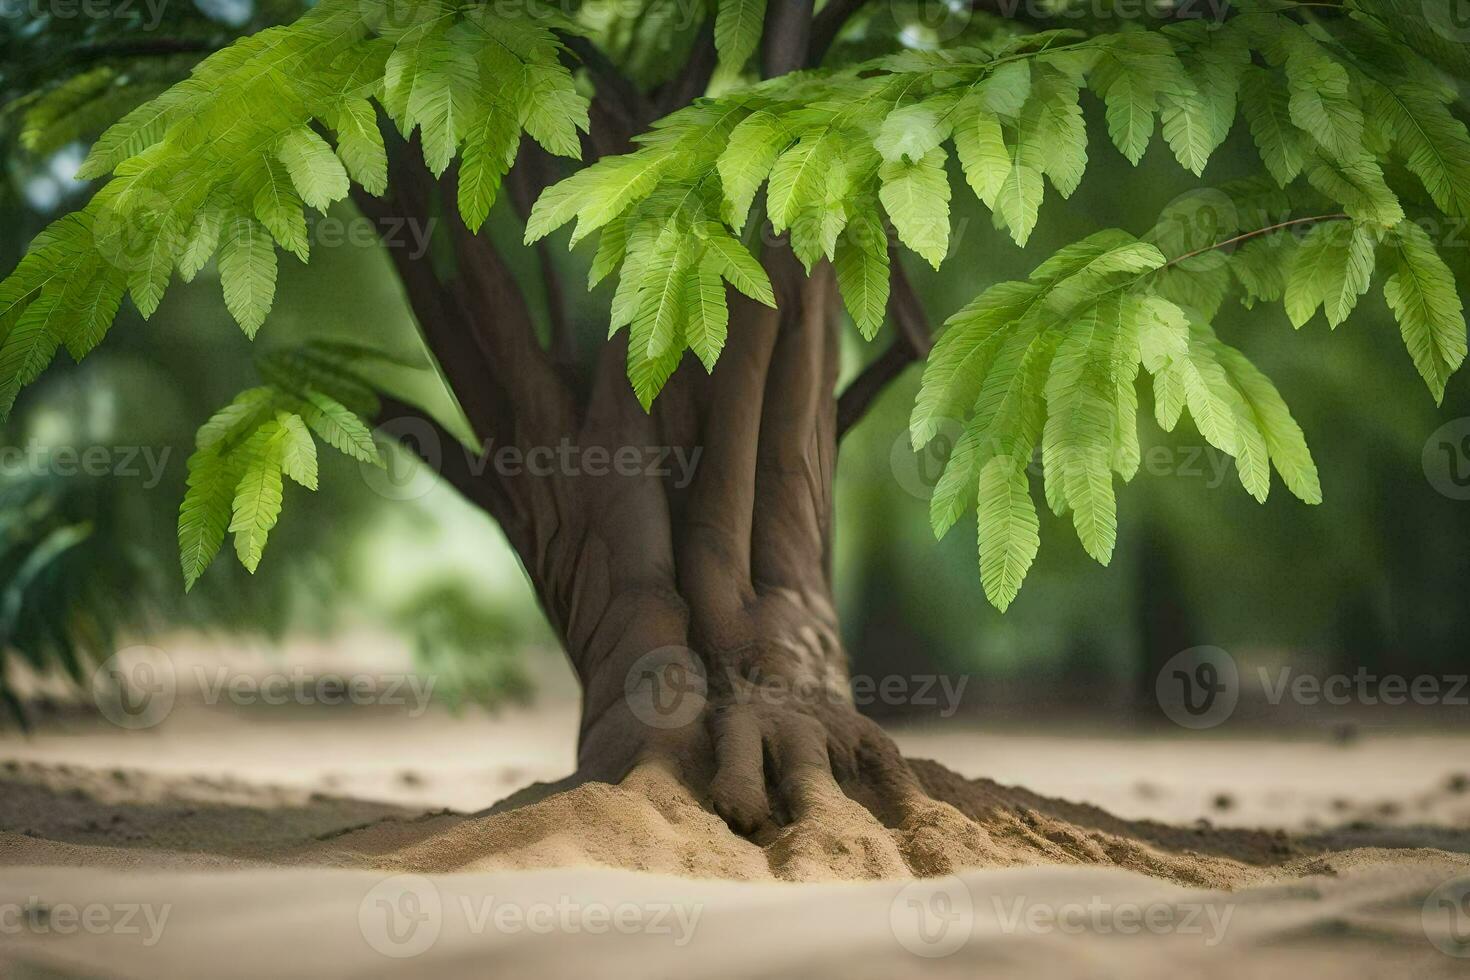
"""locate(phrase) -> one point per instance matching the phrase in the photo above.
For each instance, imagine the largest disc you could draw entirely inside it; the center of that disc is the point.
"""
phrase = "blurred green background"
(1376, 577)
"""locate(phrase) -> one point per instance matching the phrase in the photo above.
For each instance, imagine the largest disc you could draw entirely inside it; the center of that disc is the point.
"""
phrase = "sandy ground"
(300, 841)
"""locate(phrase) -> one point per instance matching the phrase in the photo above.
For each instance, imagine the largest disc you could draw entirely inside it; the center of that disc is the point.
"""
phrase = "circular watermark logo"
(918, 472)
(135, 688)
(1199, 688)
(400, 477)
(1450, 19)
(667, 688)
(401, 916)
(932, 22)
(1446, 459)
(1193, 224)
(395, 16)
(135, 230)
(933, 917)
(1446, 917)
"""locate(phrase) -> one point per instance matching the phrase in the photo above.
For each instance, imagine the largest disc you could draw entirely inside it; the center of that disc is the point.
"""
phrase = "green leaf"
(258, 495)
(444, 100)
(360, 145)
(1189, 131)
(552, 111)
(1434, 144)
(738, 28)
(1077, 442)
(1133, 70)
(202, 242)
(798, 179)
(746, 163)
(1359, 187)
(87, 305)
(27, 349)
(247, 268)
(277, 206)
(1009, 531)
(862, 265)
(1019, 202)
(157, 240)
(916, 197)
(1331, 269)
(1284, 439)
(961, 359)
(662, 308)
(1052, 135)
(204, 514)
(298, 450)
(340, 428)
(1006, 89)
(314, 168)
(489, 152)
(620, 182)
(247, 410)
(737, 265)
(1008, 416)
(909, 133)
(982, 150)
(1321, 101)
(709, 317)
(1425, 301)
(1268, 110)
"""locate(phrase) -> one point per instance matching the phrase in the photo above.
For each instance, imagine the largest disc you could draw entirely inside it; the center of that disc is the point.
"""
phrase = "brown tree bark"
(698, 616)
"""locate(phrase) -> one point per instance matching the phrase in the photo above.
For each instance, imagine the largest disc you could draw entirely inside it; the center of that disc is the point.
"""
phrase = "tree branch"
(915, 340)
(533, 173)
(907, 310)
(788, 28)
(826, 27)
(161, 47)
(476, 323)
(448, 458)
(621, 98)
(694, 77)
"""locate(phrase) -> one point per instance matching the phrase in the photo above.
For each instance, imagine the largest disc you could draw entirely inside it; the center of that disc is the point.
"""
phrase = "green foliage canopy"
(1356, 118)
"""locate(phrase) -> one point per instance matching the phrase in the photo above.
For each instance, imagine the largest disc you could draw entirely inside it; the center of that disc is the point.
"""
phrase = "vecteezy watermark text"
(670, 687)
(403, 916)
(40, 459)
(147, 14)
(566, 458)
(1102, 916)
(1201, 687)
(138, 687)
(38, 918)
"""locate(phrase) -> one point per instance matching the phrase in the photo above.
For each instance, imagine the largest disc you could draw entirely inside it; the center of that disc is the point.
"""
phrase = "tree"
(746, 217)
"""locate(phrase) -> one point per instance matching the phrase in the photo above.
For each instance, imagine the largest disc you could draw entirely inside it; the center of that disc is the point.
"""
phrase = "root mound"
(650, 822)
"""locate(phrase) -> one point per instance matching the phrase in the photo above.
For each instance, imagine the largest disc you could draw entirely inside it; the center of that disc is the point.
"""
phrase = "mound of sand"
(73, 815)
(246, 880)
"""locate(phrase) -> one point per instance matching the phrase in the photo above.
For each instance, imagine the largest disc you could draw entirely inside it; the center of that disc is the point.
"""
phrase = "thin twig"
(826, 27)
(694, 77)
(906, 309)
(151, 48)
(1254, 234)
(620, 96)
(533, 173)
(864, 390)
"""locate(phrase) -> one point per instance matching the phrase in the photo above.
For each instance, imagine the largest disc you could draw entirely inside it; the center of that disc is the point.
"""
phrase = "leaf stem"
(1253, 234)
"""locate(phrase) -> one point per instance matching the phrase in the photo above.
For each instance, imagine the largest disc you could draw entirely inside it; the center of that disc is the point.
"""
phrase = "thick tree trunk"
(700, 618)
(698, 614)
